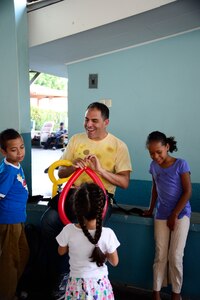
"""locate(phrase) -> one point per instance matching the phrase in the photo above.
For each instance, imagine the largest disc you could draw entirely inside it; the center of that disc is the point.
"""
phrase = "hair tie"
(96, 245)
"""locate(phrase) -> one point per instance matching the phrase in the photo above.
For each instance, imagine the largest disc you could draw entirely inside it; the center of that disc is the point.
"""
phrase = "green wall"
(14, 74)
(153, 87)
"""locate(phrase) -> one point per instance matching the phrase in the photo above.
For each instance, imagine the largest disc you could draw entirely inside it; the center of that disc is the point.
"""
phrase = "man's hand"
(64, 172)
(93, 162)
(118, 179)
(79, 163)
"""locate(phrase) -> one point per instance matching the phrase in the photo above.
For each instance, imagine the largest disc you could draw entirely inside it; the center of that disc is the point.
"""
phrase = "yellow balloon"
(57, 181)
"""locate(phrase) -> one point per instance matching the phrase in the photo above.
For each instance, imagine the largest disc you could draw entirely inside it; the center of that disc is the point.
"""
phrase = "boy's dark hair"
(89, 200)
(6, 135)
(157, 136)
(102, 107)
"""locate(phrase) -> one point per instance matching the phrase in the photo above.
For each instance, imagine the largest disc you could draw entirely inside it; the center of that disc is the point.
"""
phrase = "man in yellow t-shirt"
(104, 153)
(108, 157)
(101, 151)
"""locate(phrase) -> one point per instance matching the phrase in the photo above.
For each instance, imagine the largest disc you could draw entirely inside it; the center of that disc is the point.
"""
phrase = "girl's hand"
(171, 222)
(147, 213)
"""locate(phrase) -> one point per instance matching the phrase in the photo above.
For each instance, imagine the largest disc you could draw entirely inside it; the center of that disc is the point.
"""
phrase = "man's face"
(95, 125)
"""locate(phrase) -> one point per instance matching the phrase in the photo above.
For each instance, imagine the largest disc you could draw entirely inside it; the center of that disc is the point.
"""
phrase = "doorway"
(48, 103)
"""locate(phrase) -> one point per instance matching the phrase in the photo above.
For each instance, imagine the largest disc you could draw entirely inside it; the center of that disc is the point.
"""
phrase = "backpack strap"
(133, 210)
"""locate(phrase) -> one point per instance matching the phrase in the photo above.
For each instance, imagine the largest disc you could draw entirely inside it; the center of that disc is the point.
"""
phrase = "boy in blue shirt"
(14, 250)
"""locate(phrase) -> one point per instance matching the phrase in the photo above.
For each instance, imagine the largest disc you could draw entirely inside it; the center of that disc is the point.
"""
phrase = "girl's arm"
(113, 258)
(187, 191)
(63, 250)
(154, 195)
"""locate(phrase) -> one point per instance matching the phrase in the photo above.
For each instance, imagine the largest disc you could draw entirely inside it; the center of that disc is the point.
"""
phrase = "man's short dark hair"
(102, 107)
(6, 135)
(61, 123)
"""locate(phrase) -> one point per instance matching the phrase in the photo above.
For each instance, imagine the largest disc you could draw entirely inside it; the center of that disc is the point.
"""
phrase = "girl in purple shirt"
(171, 191)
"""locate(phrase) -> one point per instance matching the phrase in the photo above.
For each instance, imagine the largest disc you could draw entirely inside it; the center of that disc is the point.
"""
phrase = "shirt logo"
(22, 180)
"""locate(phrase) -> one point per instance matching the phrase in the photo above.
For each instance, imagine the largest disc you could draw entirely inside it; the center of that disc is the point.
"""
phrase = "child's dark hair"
(157, 136)
(6, 135)
(89, 200)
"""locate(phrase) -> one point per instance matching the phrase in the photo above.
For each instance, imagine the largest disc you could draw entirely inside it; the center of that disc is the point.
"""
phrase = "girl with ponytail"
(89, 246)
(170, 195)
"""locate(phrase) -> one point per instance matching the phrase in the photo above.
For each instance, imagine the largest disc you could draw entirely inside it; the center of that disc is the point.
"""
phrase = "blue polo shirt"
(13, 193)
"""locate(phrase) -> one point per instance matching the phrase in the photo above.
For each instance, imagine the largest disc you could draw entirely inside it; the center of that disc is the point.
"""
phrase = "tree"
(50, 81)
(41, 115)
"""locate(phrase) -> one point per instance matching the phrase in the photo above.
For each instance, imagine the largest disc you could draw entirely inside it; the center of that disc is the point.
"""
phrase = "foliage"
(50, 81)
(41, 115)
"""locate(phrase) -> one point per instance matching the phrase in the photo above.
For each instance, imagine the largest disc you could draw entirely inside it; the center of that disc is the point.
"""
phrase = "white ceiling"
(175, 18)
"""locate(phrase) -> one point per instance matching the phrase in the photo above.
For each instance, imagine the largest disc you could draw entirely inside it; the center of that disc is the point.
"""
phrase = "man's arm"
(120, 179)
(65, 172)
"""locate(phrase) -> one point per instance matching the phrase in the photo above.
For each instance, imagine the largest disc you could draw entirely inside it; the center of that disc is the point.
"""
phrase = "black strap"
(133, 210)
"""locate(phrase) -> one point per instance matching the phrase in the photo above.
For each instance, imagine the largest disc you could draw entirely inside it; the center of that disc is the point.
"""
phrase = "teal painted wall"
(14, 74)
(22, 72)
(8, 66)
(153, 87)
(138, 194)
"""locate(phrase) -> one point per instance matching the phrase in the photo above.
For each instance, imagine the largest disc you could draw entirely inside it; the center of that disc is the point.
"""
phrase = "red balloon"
(72, 179)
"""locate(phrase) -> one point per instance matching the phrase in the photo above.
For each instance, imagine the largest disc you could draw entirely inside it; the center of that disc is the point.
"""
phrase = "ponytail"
(157, 136)
(172, 144)
(98, 256)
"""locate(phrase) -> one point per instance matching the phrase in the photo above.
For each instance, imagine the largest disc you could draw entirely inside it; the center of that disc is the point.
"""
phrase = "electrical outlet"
(93, 81)
(107, 102)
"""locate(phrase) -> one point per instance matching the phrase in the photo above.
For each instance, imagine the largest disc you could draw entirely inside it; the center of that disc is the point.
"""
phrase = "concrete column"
(14, 74)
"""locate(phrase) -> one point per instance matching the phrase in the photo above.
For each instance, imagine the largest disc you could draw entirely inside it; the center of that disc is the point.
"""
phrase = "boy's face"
(15, 151)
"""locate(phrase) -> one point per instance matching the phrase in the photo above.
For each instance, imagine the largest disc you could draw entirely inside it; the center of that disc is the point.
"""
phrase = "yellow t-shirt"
(112, 153)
